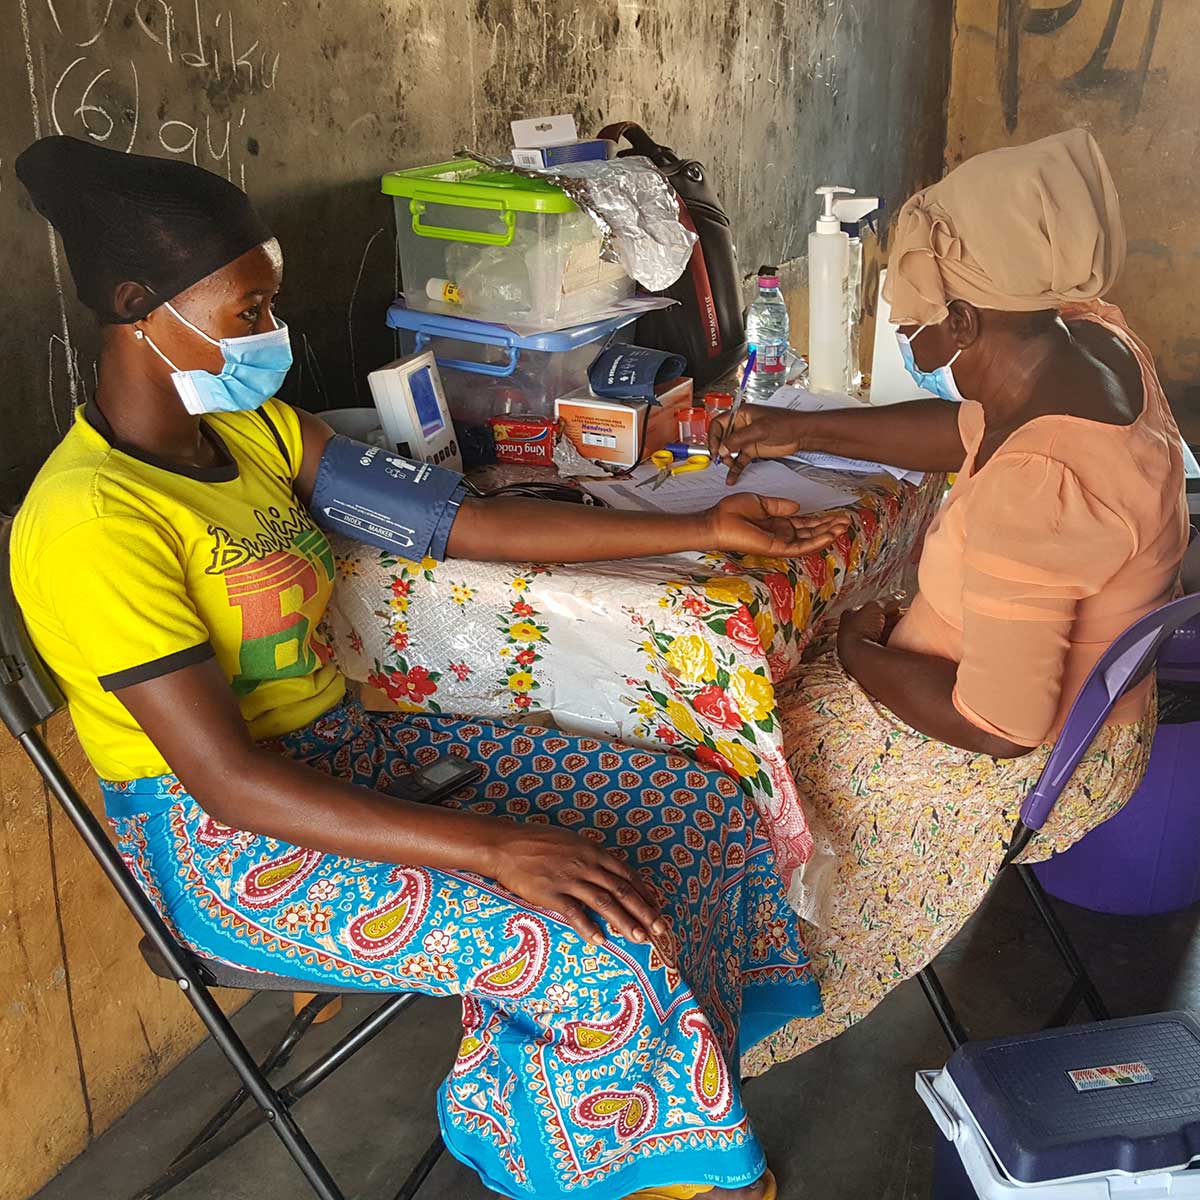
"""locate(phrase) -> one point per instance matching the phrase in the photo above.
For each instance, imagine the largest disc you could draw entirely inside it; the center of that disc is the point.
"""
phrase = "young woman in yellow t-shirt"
(601, 935)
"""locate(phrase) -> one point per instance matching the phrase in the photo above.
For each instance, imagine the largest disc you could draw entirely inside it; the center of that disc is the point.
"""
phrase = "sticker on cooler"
(1091, 1079)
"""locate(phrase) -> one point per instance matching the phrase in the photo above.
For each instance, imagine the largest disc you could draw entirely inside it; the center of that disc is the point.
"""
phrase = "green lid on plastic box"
(466, 182)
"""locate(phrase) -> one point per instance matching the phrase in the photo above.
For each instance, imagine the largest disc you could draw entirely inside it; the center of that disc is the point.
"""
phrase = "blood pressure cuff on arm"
(402, 506)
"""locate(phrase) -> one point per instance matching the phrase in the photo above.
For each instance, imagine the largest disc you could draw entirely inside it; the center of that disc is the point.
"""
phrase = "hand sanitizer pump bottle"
(828, 275)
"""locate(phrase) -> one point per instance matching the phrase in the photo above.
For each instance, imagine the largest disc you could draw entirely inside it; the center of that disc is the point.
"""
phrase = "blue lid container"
(1118, 1097)
(490, 370)
(428, 327)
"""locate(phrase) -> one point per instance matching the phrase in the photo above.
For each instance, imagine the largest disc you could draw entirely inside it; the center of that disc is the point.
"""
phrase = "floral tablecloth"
(681, 652)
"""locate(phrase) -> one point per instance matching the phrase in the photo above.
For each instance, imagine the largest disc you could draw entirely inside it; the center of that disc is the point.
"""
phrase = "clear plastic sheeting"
(682, 652)
(633, 206)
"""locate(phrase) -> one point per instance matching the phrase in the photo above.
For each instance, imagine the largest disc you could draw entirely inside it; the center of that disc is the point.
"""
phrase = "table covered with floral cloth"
(682, 652)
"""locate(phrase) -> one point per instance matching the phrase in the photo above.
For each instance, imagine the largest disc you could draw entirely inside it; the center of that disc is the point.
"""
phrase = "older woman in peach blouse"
(915, 744)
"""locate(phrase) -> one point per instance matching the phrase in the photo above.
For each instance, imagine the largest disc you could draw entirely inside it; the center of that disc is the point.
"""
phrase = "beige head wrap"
(1018, 229)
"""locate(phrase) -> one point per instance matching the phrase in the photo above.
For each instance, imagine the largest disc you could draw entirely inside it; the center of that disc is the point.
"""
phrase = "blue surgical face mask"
(255, 366)
(940, 381)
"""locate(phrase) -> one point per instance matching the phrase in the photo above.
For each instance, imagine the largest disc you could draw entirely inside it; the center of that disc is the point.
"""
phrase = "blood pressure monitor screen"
(425, 401)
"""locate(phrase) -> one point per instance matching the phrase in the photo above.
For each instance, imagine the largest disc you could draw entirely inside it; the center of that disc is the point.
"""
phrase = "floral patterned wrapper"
(683, 651)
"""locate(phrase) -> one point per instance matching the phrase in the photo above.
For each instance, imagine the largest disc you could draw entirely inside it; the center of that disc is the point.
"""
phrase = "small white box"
(544, 131)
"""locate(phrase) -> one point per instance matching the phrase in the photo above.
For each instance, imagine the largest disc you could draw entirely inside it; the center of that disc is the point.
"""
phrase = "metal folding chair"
(1124, 665)
(28, 697)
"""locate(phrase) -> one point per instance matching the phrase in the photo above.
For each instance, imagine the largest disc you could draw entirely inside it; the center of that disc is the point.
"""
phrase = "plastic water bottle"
(767, 336)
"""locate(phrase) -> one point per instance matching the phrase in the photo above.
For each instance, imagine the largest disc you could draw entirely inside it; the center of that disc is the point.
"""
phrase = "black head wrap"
(125, 217)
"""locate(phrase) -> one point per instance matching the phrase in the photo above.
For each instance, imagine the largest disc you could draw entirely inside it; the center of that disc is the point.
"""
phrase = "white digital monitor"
(412, 410)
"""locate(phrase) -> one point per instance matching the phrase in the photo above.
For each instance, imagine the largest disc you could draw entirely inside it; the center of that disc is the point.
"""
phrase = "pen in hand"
(737, 404)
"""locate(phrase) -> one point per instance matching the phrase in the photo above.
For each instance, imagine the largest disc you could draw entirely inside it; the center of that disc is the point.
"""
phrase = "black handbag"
(706, 326)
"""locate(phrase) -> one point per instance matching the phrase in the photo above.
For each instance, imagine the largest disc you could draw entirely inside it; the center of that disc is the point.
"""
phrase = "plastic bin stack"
(503, 280)
(497, 246)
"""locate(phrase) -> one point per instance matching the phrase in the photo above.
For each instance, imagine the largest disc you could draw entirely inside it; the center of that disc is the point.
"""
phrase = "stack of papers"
(856, 466)
(694, 491)
(802, 400)
(631, 307)
(798, 399)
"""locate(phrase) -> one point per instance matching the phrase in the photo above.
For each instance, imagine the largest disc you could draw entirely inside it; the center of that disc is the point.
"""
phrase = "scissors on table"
(668, 464)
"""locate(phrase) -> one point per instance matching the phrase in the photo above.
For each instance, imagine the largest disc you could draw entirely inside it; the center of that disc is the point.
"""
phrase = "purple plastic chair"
(1124, 665)
(1144, 860)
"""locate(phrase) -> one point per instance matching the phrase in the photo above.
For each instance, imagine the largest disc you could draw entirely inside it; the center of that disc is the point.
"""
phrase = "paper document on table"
(798, 399)
(698, 490)
(855, 466)
(631, 307)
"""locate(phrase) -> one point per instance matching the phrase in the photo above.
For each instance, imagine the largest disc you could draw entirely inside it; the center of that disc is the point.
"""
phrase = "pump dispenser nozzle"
(828, 221)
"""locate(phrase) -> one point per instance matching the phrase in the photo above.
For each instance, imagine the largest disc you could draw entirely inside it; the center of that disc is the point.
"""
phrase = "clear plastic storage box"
(498, 246)
(488, 370)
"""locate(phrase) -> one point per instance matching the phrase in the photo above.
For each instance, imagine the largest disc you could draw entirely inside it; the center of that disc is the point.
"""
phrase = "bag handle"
(640, 140)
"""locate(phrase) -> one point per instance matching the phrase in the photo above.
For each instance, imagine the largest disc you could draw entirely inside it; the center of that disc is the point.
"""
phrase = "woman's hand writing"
(559, 870)
(756, 432)
(766, 525)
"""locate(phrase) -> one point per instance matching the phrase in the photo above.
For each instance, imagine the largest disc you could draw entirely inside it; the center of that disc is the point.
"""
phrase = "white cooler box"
(1107, 1111)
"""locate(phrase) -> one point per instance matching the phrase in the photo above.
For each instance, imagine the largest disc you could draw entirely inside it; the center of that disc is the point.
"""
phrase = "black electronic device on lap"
(434, 781)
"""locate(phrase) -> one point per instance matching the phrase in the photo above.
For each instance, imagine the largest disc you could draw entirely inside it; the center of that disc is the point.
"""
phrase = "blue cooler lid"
(1119, 1096)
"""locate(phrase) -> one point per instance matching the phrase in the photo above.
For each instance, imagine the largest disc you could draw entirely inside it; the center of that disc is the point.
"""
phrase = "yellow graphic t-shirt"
(128, 568)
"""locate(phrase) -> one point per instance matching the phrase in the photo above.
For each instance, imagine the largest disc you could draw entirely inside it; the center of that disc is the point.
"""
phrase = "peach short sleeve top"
(1072, 530)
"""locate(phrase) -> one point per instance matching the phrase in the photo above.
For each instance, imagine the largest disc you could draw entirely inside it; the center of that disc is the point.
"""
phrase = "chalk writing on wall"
(1018, 19)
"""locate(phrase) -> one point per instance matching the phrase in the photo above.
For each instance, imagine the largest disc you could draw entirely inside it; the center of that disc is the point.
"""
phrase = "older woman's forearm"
(919, 435)
(919, 689)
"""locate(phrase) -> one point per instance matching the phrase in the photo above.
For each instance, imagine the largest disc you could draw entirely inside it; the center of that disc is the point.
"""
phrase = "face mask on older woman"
(939, 381)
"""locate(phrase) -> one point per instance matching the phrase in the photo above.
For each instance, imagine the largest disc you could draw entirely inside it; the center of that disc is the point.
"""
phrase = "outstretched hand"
(748, 524)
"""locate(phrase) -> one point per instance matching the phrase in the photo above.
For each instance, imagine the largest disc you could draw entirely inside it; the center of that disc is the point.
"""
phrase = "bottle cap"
(445, 291)
(768, 275)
